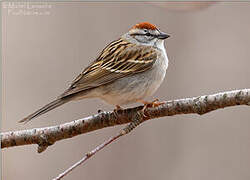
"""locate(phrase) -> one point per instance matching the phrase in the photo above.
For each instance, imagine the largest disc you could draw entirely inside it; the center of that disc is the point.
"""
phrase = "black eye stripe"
(147, 34)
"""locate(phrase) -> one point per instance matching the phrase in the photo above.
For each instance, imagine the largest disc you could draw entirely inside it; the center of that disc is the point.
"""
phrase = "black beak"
(163, 35)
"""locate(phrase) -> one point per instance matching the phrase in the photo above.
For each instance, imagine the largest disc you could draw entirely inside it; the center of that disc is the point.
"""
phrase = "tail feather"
(54, 104)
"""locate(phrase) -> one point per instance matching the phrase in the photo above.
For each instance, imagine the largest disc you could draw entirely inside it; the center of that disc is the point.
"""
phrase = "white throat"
(160, 45)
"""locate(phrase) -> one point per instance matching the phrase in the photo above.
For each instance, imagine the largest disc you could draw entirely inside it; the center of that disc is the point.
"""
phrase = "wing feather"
(118, 59)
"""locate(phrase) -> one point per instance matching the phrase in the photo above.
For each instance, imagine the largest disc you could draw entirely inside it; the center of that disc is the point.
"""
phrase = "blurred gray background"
(46, 46)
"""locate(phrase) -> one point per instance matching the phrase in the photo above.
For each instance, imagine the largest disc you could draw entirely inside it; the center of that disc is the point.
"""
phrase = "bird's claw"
(117, 110)
(153, 104)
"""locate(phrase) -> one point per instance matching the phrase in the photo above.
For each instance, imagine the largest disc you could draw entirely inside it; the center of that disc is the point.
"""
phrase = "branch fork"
(47, 136)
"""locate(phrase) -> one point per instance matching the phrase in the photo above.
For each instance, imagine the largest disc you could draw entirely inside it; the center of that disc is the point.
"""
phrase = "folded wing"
(118, 59)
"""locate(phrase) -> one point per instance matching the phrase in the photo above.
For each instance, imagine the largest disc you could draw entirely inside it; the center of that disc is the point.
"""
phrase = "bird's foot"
(147, 104)
(154, 103)
(117, 110)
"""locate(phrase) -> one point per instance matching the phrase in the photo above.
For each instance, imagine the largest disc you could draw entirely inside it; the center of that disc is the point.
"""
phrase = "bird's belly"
(135, 87)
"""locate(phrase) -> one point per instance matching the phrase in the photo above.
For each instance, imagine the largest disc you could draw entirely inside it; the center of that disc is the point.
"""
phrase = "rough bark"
(47, 136)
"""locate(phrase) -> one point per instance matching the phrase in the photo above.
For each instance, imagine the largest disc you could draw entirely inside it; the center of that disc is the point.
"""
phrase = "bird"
(127, 71)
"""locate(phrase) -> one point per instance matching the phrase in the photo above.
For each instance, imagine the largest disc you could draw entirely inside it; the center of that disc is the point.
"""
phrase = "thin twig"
(88, 155)
(47, 136)
(136, 121)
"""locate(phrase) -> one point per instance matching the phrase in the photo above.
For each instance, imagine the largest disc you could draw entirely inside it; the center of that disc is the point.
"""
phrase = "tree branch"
(47, 136)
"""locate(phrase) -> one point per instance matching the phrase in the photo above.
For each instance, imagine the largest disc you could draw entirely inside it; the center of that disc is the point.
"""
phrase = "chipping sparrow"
(126, 71)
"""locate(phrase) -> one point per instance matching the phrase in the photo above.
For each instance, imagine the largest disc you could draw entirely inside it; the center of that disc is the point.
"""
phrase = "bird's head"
(146, 34)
